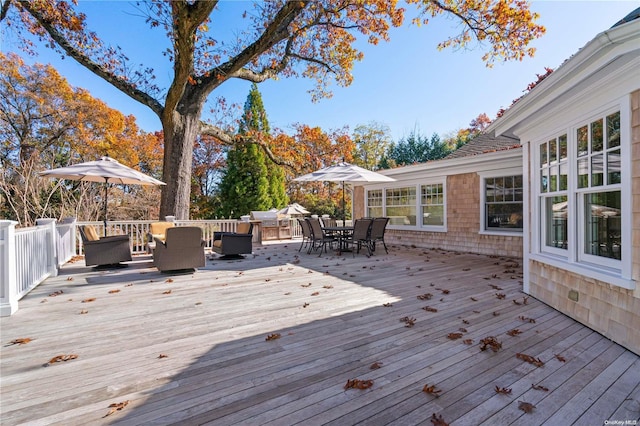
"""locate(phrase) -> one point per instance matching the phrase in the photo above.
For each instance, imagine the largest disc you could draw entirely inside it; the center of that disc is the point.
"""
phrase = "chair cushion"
(217, 243)
(160, 228)
(243, 228)
(91, 233)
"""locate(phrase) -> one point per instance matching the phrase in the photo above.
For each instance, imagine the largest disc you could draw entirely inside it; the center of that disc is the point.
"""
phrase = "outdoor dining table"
(341, 233)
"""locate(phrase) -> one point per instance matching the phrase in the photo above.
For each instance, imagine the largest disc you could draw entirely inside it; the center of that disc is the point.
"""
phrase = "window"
(401, 205)
(374, 203)
(432, 204)
(553, 173)
(581, 218)
(599, 194)
(503, 203)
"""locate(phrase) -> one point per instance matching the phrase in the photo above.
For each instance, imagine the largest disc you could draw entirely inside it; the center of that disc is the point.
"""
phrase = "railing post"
(8, 278)
(52, 249)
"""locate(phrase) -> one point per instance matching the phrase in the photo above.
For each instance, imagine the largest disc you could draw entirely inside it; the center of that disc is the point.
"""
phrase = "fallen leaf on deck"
(465, 322)
(462, 329)
(539, 387)
(116, 406)
(56, 293)
(526, 406)
(305, 305)
(504, 391)
(21, 341)
(560, 358)
(474, 299)
(495, 314)
(531, 360)
(408, 321)
(315, 293)
(305, 285)
(358, 384)
(387, 305)
(501, 295)
(375, 365)
(168, 280)
(514, 332)
(431, 390)
(166, 292)
(525, 319)
(327, 286)
(468, 341)
(438, 421)
(84, 311)
(62, 358)
(273, 336)
(490, 342)
(495, 287)
(454, 336)
(114, 291)
(69, 278)
(163, 356)
(91, 299)
(426, 296)
(429, 309)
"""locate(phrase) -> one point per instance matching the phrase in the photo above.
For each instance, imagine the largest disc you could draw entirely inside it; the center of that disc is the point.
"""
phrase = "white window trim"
(419, 218)
(573, 261)
(414, 183)
(483, 199)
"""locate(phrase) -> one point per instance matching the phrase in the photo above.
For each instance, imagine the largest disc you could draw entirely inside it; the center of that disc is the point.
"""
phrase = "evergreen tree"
(251, 181)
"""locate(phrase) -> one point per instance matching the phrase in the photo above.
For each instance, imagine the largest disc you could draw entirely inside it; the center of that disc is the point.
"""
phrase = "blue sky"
(406, 84)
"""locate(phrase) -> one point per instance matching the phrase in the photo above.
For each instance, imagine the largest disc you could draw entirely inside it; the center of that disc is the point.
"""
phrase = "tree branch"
(232, 140)
(275, 32)
(91, 65)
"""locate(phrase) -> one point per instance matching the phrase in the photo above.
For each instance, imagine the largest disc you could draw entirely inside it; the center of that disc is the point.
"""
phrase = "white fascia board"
(597, 54)
(491, 161)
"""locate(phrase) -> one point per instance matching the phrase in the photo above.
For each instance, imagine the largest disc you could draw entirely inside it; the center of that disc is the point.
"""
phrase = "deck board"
(220, 370)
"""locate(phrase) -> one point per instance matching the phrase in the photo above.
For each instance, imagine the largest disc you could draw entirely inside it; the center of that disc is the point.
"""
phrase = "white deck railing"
(29, 255)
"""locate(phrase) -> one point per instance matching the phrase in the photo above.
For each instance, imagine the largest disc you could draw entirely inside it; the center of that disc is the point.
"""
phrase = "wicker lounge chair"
(106, 250)
(157, 230)
(182, 249)
(232, 245)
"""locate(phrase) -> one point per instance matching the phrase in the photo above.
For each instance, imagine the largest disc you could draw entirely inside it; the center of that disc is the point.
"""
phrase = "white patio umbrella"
(292, 210)
(345, 173)
(105, 170)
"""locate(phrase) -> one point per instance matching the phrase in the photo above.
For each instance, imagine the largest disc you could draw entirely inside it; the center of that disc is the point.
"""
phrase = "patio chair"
(319, 239)
(306, 233)
(360, 236)
(378, 227)
(157, 230)
(232, 245)
(183, 248)
(106, 250)
(329, 222)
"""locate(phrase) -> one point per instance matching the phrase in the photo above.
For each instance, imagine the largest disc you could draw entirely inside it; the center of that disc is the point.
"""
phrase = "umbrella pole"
(344, 208)
(106, 193)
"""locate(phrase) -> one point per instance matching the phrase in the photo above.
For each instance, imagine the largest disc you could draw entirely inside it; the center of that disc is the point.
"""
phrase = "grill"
(273, 226)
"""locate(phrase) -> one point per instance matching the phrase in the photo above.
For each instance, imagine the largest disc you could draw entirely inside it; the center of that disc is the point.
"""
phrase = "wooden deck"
(193, 349)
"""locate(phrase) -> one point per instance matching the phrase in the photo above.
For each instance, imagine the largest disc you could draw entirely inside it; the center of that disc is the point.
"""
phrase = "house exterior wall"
(357, 202)
(463, 224)
(611, 310)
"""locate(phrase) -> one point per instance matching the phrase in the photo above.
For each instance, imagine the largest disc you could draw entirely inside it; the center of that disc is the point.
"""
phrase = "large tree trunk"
(180, 131)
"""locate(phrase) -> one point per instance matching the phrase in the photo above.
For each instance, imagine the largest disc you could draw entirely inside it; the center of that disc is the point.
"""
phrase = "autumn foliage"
(314, 39)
